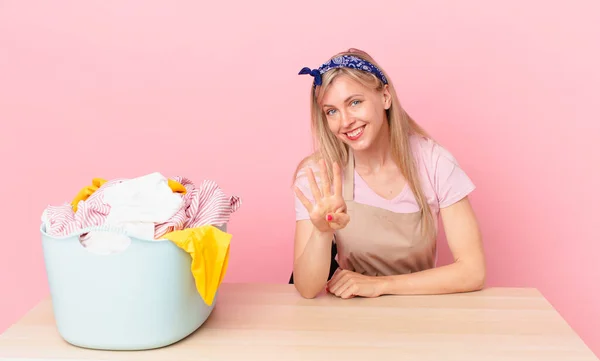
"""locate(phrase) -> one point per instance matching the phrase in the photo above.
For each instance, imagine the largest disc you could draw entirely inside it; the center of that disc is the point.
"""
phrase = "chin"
(361, 146)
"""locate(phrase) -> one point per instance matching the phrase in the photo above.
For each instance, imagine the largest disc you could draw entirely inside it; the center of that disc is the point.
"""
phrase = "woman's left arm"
(467, 272)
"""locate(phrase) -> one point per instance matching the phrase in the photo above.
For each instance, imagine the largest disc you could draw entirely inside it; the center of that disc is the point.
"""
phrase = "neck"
(378, 156)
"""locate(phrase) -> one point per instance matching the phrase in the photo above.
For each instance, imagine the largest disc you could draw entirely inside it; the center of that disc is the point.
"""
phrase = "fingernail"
(329, 217)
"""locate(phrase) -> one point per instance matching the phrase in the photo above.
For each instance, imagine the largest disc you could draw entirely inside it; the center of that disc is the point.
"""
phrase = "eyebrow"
(345, 101)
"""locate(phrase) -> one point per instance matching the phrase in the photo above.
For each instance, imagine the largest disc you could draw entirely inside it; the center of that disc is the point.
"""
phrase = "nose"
(346, 119)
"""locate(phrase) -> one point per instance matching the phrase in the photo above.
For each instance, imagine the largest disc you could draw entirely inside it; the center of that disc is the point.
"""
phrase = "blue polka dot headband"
(343, 61)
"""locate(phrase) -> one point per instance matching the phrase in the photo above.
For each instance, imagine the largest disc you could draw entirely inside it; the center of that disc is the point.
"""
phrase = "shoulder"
(300, 181)
(440, 171)
(431, 153)
(308, 162)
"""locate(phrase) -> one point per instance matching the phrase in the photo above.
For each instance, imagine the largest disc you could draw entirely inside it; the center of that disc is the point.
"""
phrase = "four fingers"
(324, 180)
(337, 219)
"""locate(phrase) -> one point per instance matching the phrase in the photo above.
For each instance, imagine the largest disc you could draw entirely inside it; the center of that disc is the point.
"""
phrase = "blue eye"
(329, 111)
(355, 102)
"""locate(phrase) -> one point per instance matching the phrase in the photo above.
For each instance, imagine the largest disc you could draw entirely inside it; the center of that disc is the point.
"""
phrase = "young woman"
(375, 188)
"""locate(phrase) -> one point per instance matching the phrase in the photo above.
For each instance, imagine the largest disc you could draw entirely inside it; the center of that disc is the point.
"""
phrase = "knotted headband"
(343, 61)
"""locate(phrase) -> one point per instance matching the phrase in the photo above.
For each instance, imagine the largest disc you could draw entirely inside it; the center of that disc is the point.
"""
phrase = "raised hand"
(328, 213)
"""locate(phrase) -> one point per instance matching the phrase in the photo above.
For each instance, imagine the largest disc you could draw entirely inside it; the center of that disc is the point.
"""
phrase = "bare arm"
(466, 273)
(313, 237)
(312, 258)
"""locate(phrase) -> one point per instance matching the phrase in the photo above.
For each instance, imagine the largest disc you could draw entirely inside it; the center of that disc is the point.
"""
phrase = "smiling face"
(355, 113)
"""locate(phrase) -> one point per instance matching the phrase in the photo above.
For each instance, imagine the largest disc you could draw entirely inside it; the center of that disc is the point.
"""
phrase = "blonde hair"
(327, 146)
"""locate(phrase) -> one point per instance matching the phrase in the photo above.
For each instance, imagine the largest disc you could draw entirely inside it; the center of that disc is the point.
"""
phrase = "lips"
(355, 133)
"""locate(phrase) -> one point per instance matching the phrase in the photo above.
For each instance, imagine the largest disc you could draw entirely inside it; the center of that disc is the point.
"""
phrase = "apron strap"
(348, 190)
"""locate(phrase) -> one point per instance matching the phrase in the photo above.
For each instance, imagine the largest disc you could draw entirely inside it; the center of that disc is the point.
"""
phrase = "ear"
(387, 97)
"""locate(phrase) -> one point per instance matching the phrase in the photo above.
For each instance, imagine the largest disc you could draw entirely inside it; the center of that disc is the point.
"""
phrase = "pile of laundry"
(105, 214)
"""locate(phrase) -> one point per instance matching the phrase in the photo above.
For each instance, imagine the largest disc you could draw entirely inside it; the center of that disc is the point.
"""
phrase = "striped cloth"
(206, 204)
(202, 205)
(61, 221)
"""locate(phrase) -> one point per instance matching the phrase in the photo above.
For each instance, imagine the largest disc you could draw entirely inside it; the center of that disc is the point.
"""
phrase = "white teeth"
(355, 132)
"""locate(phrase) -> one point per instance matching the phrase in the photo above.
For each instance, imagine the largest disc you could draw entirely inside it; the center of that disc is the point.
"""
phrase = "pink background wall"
(510, 87)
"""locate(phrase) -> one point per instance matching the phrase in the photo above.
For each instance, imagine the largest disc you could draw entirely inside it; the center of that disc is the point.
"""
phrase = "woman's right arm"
(312, 258)
(314, 236)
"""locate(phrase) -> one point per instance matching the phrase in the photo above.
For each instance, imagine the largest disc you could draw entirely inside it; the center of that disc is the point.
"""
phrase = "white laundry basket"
(142, 298)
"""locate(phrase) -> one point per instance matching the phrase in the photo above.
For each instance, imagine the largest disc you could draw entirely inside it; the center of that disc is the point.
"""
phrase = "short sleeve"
(450, 181)
(302, 183)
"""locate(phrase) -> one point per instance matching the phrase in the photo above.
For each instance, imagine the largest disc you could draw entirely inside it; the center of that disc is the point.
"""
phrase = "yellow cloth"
(177, 187)
(87, 191)
(209, 248)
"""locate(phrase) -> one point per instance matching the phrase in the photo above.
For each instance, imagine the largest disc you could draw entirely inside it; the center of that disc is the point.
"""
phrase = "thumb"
(337, 220)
